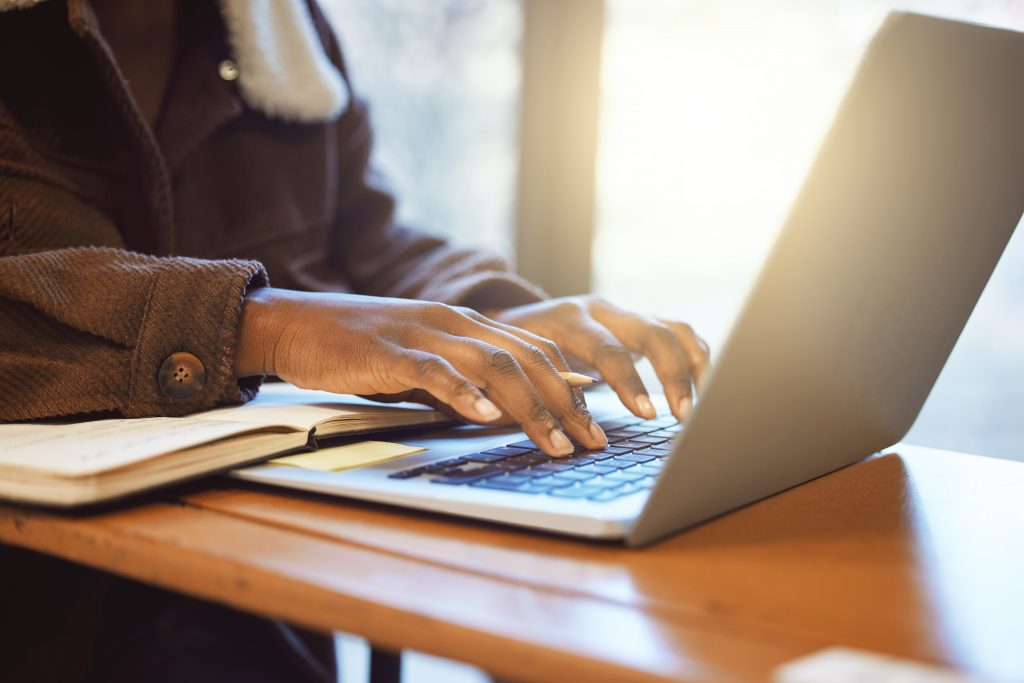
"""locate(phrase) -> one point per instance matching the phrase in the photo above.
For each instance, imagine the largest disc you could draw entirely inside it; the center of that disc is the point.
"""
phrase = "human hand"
(352, 344)
(605, 337)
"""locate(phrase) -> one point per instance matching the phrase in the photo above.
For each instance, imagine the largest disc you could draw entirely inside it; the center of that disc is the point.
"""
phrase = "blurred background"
(646, 150)
(663, 140)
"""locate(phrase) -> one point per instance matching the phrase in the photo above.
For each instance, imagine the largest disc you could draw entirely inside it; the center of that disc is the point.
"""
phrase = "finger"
(562, 400)
(565, 402)
(698, 353)
(550, 348)
(659, 343)
(523, 380)
(421, 370)
(532, 367)
(595, 345)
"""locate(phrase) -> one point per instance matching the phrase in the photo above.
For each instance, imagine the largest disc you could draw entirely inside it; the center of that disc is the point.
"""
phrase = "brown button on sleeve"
(181, 375)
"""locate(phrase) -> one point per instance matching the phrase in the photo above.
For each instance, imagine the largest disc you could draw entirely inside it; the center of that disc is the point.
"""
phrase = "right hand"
(351, 344)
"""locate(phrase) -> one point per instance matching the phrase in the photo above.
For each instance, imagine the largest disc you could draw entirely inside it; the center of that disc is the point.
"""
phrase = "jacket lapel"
(198, 101)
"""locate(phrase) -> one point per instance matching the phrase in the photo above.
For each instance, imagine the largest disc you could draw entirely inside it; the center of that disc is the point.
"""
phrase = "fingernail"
(597, 434)
(685, 406)
(560, 441)
(646, 407)
(486, 410)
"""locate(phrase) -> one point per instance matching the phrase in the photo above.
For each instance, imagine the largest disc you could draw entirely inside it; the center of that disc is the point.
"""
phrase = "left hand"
(605, 337)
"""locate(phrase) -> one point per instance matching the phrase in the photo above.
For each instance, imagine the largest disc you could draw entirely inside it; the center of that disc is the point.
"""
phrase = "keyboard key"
(632, 445)
(665, 433)
(577, 461)
(596, 469)
(513, 478)
(626, 476)
(604, 496)
(606, 453)
(574, 475)
(500, 485)
(618, 423)
(648, 428)
(647, 483)
(532, 473)
(467, 476)
(602, 456)
(635, 457)
(407, 474)
(660, 461)
(552, 467)
(507, 451)
(652, 452)
(618, 463)
(628, 489)
(552, 481)
(527, 444)
(576, 492)
(650, 439)
(450, 463)
(485, 457)
(608, 482)
(617, 436)
(542, 487)
(650, 469)
(519, 462)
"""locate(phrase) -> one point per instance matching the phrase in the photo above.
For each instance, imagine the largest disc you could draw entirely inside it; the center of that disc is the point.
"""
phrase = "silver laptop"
(912, 198)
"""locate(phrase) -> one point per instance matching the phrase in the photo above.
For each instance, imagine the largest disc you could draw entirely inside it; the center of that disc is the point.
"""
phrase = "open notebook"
(76, 463)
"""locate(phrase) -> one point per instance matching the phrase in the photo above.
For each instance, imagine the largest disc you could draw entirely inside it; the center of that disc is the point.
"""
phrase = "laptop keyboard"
(630, 463)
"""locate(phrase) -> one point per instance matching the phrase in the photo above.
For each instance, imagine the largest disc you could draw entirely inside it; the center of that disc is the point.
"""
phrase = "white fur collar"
(283, 70)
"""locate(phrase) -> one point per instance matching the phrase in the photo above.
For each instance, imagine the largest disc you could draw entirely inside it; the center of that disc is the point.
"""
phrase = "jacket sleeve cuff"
(193, 306)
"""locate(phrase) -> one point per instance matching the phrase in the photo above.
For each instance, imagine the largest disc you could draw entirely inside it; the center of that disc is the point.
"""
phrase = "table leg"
(385, 665)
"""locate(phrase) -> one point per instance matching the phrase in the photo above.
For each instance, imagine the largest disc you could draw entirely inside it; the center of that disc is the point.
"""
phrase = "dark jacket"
(120, 246)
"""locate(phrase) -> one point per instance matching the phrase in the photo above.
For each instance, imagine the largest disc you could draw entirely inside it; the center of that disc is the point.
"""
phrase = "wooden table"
(919, 554)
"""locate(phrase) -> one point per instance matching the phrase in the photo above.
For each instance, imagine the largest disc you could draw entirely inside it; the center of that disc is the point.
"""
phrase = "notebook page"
(279, 403)
(84, 448)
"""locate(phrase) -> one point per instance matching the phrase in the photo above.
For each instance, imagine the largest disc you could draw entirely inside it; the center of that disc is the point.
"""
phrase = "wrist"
(258, 332)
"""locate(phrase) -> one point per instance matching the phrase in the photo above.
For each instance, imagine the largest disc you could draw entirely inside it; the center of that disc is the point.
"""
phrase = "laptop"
(908, 206)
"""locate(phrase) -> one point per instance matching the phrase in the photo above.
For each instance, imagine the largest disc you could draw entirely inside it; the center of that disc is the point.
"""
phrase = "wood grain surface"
(918, 554)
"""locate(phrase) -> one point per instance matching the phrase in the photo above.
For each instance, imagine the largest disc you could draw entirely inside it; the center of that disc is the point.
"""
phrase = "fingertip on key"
(560, 442)
(685, 407)
(647, 411)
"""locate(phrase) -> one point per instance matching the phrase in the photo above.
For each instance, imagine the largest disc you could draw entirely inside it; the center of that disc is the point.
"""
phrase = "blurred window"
(710, 115)
(442, 79)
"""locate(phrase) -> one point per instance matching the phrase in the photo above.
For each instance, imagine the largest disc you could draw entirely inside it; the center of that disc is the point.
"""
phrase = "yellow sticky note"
(348, 457)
